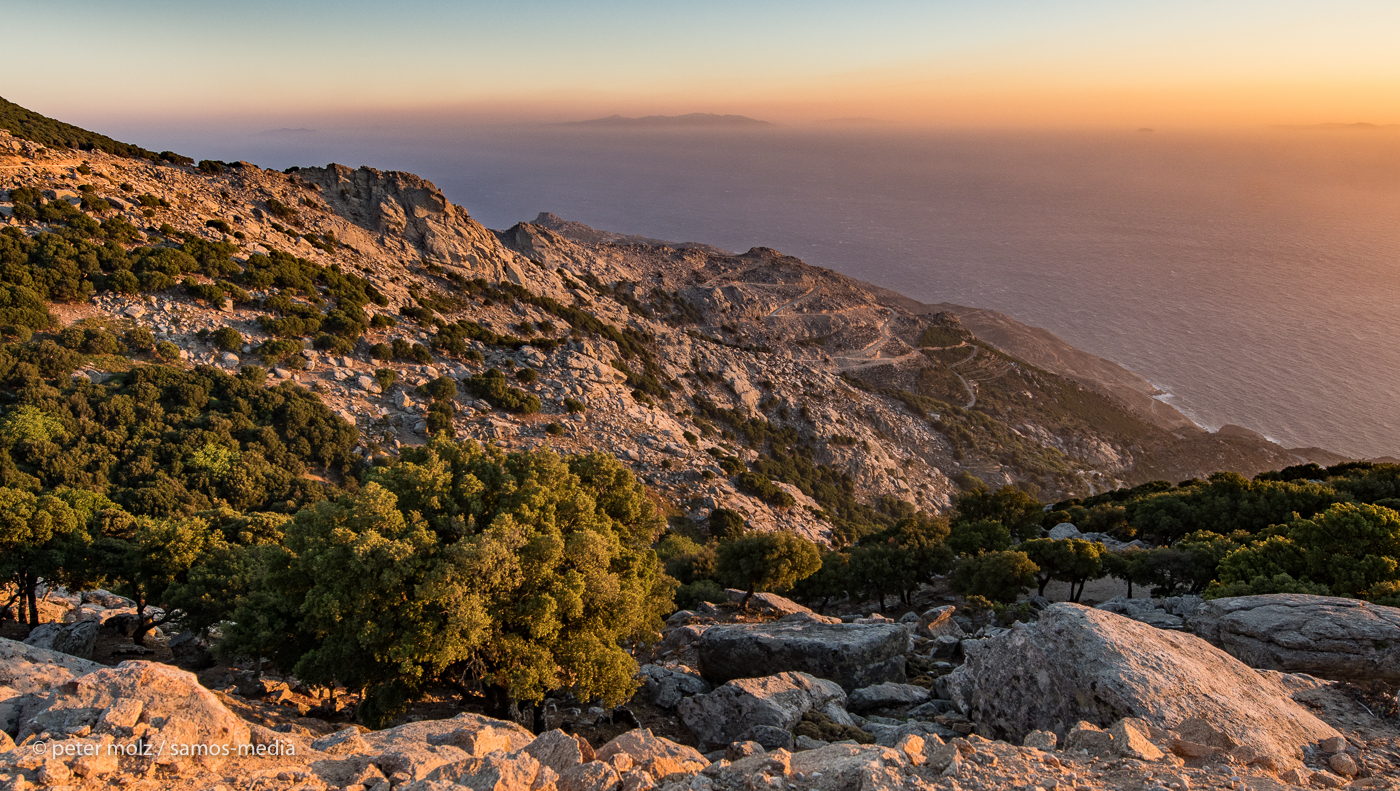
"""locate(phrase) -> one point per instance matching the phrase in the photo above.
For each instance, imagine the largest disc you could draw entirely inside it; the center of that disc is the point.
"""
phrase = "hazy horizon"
(957, 63)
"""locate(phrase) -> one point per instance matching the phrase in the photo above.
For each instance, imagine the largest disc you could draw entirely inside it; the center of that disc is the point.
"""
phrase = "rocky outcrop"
(666, 687)
(852, 655)
(661, 759)
(411, 214)
(1080, 664)
(733, 711)
(76, 639)
(155, 703)
(1324, 636)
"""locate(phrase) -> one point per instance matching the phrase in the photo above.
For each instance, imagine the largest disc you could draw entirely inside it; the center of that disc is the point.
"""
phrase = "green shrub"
(689, 596)
(221, 226)
(381, 320)
(386, 377)
(25, 213)
(381, 351)
(492, 387)
(526, 375)
(139, 339)
(334, 344)
(726, 525)
(554, 429)
(167, 351)
(227, 339)
(997, 576)
(574, 405)
(421, 355)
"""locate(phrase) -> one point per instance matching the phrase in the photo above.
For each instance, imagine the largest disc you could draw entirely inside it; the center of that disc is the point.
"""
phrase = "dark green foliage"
(159, 441)
(997, 576)
(574, 405)
(492, 387)
(46, 131)
(527, 375)
(725, 524)
(973, 538)
(760, 486)
(1067, 560)
(221, 226)
(381, 351)
(227, 339)
(554, 429)
(1017, 511)
(167, 351)
(281, 210)
(766, 561)
(386, 377)
(525, 573)
(442, 387)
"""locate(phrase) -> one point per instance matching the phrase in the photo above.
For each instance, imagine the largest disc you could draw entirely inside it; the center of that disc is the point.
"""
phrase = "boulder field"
(1081, 699)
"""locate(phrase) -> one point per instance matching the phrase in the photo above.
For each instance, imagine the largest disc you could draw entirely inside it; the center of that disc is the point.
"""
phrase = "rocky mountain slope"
(692, 364)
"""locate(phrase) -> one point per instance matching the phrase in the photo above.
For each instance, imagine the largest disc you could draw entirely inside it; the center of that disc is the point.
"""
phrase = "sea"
(1254, 277)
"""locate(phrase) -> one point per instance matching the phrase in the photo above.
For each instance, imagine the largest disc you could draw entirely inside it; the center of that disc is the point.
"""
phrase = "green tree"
(831, 581)
(983, 535)
(998, 576)
(1068, 560)
(510, 576)
(767, 561)
(41, 538)
(227, 339)
(1017, 511)
(148, 557)
(726, 524)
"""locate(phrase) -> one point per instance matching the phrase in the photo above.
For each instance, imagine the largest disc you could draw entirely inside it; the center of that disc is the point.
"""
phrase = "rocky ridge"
(759, 336)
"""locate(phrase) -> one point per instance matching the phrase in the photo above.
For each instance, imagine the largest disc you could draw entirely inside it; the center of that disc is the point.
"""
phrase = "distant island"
(1357, 127)
(709, 120)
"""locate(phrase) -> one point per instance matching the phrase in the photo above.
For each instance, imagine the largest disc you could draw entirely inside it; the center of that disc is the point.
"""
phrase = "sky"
(958, 63)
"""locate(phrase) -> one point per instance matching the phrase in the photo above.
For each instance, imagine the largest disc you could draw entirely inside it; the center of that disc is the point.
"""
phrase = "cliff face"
(687, 360)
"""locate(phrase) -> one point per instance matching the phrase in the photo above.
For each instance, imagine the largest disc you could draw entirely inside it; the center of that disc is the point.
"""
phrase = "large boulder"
(1324, 636)
(852, 655)
(164, 706)
(1077, 664)
(27, 674)
(732, 711)
(75, 639)
(29, 669)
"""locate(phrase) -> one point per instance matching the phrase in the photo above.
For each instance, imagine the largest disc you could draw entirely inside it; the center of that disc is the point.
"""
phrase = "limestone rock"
(592, 776)
(727, 714)
(75, 639)
(666, 688)
(853, 655)
(939, 622)
(886, 695)
(557, 750)
(661, 758)
(1324, 636)
(1132, 739)
(177, 710)
(341, 742)
(28, 669)
(1041, 740)
(1081, 664)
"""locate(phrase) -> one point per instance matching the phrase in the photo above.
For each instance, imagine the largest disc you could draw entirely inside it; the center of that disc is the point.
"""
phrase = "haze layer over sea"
(1254, 277)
